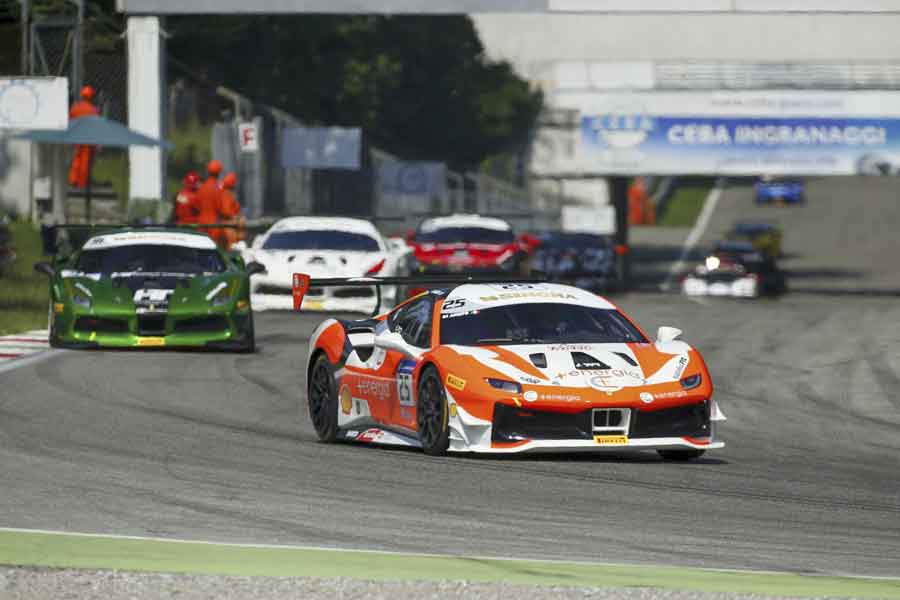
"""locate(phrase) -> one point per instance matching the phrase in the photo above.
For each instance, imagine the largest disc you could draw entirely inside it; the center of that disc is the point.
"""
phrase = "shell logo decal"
(346, 400)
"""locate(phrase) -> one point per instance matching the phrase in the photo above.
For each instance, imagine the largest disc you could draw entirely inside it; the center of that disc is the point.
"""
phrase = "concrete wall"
(531, 42)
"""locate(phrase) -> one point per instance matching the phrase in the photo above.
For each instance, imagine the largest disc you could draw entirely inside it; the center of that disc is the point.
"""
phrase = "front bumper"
(743, 287)
(221, 330)
(331, 299)
(518, 430)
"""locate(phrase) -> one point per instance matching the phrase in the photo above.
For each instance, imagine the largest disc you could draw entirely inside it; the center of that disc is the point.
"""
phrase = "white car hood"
(619, 366)
(317, 263)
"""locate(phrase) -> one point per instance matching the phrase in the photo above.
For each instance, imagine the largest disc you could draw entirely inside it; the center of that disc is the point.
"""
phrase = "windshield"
(465, 235)
(538, 323)
(151, 258)
(321, 240)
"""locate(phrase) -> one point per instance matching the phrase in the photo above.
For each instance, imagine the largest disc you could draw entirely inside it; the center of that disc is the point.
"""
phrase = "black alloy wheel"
(322, 400)
(432, 414)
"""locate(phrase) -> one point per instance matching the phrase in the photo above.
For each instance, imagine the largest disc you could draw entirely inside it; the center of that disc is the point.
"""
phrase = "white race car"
(324, 247)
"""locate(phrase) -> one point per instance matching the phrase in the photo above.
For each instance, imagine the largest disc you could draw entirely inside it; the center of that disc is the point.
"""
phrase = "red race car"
(503, 367)
(469, 244)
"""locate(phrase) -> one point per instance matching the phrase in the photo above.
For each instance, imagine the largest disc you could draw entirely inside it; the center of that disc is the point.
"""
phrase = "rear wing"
(302, 282)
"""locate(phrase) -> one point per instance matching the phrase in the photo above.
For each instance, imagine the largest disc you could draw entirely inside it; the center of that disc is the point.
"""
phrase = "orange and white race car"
(506, 367)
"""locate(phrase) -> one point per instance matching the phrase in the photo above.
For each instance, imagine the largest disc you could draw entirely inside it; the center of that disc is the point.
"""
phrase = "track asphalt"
(218, 447)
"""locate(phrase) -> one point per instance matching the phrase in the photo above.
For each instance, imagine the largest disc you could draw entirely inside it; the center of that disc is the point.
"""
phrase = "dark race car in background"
(772, 190)
(585, 260)
(765, 237)
(735, 269)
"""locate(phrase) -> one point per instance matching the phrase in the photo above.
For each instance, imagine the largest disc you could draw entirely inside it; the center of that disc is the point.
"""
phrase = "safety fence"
(395, 193)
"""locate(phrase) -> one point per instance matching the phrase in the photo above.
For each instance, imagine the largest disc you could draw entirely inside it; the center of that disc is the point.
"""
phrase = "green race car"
(150, 288)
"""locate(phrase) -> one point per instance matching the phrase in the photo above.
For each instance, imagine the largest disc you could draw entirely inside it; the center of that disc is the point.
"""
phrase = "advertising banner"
(322, 148)
(34, 103)
(413, 178)
(738, 133)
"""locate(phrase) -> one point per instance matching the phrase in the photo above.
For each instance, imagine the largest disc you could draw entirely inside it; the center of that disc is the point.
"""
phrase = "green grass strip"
(99, 552)
(684, 206)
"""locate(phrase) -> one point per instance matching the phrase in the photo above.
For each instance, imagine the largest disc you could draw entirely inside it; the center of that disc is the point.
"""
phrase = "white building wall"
(532, 42)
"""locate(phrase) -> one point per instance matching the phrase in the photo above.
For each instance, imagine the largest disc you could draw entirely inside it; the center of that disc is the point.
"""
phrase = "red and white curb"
(20, 345)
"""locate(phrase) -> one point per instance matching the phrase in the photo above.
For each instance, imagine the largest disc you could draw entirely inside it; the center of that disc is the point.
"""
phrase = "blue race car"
(779, 191)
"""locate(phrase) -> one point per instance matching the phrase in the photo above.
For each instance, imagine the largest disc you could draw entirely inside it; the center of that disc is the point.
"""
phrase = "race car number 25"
(405, 382)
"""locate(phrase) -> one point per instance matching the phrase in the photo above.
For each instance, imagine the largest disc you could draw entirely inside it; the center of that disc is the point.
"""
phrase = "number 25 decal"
(453, 304)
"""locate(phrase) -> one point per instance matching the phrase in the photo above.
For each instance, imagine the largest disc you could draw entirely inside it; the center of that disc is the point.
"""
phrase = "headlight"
(220, 295)
(222, 298)
(691, 382)
(507, 386)
(81, 300)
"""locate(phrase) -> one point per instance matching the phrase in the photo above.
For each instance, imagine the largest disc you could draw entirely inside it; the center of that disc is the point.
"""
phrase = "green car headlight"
(220, 295)
(222, 298)
(81, 300)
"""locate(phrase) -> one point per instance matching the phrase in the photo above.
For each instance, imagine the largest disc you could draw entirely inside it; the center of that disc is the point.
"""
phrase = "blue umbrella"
(93, 131)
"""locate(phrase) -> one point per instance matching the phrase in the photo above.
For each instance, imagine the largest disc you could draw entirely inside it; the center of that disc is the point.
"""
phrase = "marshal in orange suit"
(80, 170)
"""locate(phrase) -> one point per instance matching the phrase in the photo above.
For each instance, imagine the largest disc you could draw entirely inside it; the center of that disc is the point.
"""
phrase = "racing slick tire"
(322, 400)
(250, 347)
(680, 455)
(432, 414)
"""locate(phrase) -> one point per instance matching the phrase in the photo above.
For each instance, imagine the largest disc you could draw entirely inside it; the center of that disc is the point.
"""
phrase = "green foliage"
(419, 86)
(23, 293)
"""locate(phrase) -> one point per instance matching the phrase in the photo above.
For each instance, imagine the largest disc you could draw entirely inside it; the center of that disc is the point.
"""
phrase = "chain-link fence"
(395, 193)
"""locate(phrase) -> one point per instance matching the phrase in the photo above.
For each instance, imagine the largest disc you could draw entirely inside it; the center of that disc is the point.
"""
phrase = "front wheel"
(322, 400)
(432, 414)
(680, 455)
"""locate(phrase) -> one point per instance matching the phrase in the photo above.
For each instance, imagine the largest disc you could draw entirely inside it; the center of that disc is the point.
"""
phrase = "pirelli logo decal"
(611, 440)
(457, 383)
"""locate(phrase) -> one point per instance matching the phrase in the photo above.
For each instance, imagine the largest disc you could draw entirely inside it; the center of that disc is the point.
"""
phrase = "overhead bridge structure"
(146, 41)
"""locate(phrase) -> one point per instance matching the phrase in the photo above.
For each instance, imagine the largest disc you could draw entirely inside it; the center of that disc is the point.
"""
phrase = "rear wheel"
(322, 399)
(681, 455)
(432, 414)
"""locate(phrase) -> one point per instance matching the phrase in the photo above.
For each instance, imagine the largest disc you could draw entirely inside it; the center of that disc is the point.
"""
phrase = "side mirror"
(254, 268)
(239, 246)
(391, 340)
(49, 241)
(667, 334)
(529, 242)
(45, 268)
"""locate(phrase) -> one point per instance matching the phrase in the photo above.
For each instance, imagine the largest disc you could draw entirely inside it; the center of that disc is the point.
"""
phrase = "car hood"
(645, 376)
(578, 365)
(146, 290)
(317, 263)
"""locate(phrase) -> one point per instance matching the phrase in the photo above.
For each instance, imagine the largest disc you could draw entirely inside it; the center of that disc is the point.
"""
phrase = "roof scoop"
(586, 362)
(539, 359)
